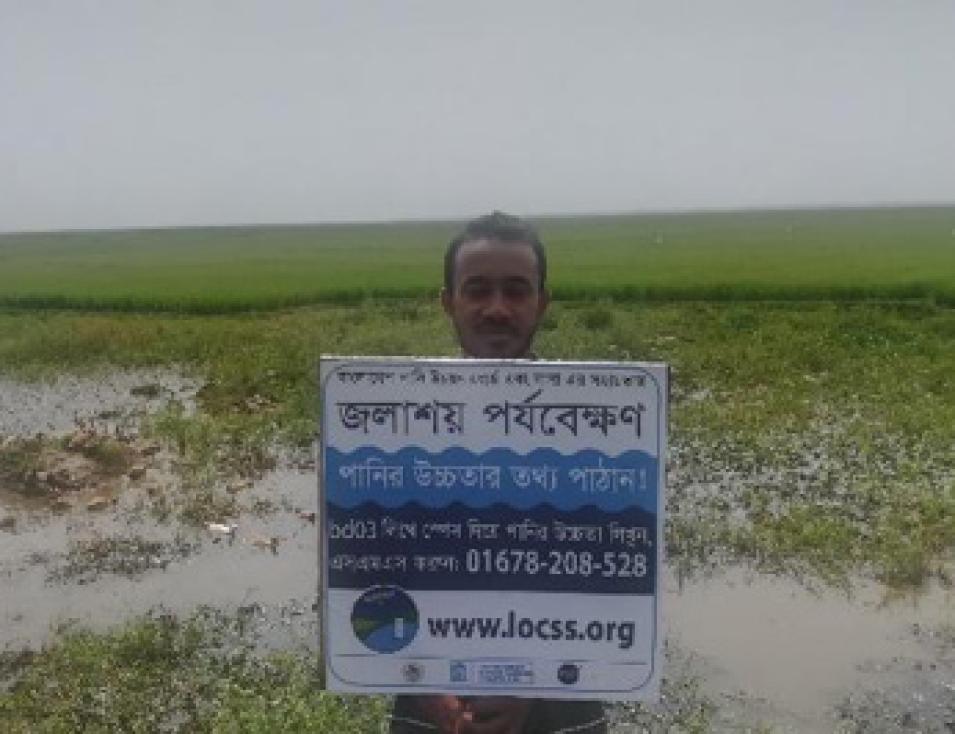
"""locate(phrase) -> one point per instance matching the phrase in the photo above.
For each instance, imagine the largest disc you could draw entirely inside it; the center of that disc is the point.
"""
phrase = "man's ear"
(446, 299)
(543, 302)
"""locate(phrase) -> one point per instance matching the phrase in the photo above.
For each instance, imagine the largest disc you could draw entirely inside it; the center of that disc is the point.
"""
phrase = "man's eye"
(517, 290)
(476, 291)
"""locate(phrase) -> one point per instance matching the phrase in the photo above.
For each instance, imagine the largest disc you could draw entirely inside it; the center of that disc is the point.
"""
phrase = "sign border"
(662, 447)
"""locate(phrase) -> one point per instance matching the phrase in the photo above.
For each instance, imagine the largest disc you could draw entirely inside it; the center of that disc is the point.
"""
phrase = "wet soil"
(768, 651)
(116, 400)
(98, 568)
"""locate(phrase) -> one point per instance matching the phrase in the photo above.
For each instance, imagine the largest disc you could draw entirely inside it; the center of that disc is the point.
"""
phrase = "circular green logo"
(385, 619)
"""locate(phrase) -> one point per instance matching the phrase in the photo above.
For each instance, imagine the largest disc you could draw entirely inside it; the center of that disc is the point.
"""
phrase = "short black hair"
(498, 227)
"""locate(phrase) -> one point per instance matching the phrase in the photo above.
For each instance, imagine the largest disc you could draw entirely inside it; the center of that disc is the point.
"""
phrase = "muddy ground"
(82, 542)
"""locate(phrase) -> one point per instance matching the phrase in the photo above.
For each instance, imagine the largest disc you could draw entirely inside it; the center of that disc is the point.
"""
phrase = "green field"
(810, 440)
(879, 254)
(811, 432)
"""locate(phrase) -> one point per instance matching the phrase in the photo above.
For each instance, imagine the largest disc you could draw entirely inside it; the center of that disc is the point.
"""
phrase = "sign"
(492, 527)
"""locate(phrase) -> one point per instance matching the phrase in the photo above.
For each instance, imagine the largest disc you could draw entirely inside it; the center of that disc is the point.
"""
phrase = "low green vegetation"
(161, 673)
(203, 674)
(20, 460)
(810, 436)
(844, 255)
(811, 439)
(126, 555)
(43, 466)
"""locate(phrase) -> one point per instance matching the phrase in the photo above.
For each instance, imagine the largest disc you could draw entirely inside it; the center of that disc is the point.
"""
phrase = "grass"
(24, 461)
(161, 673)
(112, 457)
(843, 255)
(20, 459)
(203, 674)
(810, 439)
(127, 555)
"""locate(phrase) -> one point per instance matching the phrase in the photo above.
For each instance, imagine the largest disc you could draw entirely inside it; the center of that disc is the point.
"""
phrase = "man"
(495, 295)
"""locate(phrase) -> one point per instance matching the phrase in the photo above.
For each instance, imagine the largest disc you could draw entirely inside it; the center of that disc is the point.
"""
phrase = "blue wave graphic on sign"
(543, 476)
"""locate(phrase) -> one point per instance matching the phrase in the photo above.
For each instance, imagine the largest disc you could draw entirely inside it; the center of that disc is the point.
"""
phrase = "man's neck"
(532, 356)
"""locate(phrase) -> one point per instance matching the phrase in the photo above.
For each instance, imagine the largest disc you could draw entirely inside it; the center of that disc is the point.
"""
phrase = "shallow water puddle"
(769, 650)
(145, 564)
(53, 407)
(800, 652)
(792, 652)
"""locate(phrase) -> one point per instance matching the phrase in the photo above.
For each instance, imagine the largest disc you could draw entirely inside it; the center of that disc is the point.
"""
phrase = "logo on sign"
(506, 674)
(412, 672)
(385, 619)
(568, 673)
(459, 671)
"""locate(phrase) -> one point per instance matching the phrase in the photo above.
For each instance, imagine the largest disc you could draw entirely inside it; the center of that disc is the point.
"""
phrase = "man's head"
(494, 286)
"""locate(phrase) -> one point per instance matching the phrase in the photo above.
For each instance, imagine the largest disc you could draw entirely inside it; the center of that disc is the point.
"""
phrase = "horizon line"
(819, 207)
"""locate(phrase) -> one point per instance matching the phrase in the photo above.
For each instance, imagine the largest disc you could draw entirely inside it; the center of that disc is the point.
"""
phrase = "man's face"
(496, 303)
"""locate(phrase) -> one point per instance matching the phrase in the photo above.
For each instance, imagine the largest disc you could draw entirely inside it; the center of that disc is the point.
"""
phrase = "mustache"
(496, 327)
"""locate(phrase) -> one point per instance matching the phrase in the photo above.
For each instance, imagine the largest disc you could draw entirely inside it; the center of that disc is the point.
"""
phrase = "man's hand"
(494, 715)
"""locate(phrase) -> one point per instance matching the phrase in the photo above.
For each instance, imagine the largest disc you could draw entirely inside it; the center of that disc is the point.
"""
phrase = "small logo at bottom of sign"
(384, 619)
(459, 671)
(505, 674)
(412, 672)
(568, 673)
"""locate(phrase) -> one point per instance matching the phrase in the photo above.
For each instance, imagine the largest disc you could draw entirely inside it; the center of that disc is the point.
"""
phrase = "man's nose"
(496, 306)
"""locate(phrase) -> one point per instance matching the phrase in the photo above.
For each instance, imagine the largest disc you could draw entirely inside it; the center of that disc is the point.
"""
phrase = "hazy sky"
(167, 112)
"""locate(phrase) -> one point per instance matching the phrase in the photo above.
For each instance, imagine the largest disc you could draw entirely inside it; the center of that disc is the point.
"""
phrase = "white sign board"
(492, 527)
